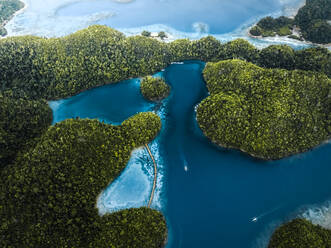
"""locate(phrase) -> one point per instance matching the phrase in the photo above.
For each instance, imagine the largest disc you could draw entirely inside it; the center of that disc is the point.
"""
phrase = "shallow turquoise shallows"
(183, 15)
(211, 195)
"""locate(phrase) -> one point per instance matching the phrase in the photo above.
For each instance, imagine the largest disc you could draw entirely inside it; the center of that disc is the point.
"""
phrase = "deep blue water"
(212, 203)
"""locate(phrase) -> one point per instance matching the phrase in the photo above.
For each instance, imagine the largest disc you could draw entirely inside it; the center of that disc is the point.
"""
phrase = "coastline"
(172, 33)
(236, 148)
(296, 31)
(255, 156)
(285, 39)
(14, 15)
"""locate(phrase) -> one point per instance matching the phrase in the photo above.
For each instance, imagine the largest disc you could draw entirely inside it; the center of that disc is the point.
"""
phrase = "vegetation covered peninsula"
(313, 21)
(154, 89)
(300, 233)
(48, 196)
(268, 113)
(7, 10)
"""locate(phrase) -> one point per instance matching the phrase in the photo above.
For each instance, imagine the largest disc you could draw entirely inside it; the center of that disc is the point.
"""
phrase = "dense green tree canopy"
(162, 35)
(21, 121)
(278, 56)
(48, 198)
(313, 19)
(314, 59)
(300, 233)
(268, 113)
(62, 67)
(313, 10)
(146, 33)
(154, 89)
(319, 31)
(239, 49)
(73, 161)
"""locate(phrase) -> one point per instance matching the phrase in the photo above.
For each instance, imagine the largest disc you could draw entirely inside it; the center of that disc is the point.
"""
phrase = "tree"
(146, 33)
(277, 56)
(162, 35)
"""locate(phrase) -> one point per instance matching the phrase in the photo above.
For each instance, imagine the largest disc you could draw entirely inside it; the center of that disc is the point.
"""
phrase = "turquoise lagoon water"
(209, 195)
(183, 15)
(225, 19)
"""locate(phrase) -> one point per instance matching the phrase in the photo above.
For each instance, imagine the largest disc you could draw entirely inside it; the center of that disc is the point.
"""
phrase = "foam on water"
(263, 239)
(319, 214)
(55, 105)
(159, 200)
(131, 188)
(202, 30)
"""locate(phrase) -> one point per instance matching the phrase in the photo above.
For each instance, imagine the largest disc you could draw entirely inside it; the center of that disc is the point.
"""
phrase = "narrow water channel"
(211, 195)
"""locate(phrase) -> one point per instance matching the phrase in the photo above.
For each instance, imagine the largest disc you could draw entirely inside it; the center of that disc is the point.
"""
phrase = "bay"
(209, 195)
(225, 19)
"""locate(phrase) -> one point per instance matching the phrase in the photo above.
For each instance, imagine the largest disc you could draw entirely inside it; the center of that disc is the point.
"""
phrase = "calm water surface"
(225, 19)
(211, 203)
(218, 16)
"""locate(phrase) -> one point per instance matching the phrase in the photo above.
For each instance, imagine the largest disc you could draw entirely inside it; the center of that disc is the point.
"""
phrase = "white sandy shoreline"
(14, 15)
(285, 38)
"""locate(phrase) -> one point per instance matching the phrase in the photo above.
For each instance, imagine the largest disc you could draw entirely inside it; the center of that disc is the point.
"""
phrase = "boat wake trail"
(183, 160)
(257, 218)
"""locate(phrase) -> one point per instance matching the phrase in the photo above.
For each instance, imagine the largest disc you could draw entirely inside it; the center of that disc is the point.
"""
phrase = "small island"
(154, 88)
(311, 23)
(270, 26)
(7, 9)
(268, 113)
(300, 233)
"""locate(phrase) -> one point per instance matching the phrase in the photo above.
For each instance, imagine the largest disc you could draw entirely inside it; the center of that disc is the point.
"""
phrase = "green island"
(154, 89)
(300, 233)
(269, 26)
(7, 10)
(51, 175)
(311, 23)
(268, 113)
